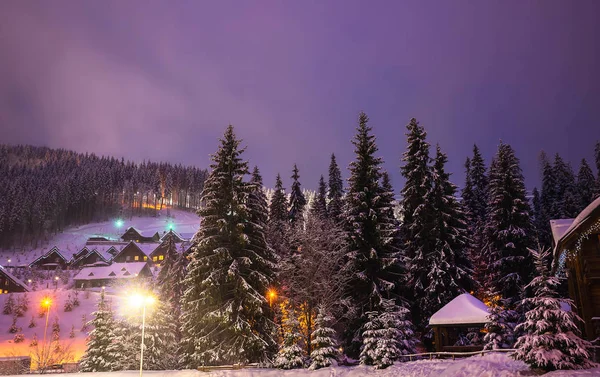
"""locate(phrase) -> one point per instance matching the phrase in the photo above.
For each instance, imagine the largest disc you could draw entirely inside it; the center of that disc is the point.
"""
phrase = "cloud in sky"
(161, 80)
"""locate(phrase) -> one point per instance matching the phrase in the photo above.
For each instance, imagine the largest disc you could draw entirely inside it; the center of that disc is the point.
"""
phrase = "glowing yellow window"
(154, 258)
(145, 258)
(161, 257)
(137, 257)
(5, 291)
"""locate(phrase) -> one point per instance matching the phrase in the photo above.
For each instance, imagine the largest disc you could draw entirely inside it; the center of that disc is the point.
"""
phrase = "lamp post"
(47, 302)
(140, 300)
(56, 282)
(271, 294)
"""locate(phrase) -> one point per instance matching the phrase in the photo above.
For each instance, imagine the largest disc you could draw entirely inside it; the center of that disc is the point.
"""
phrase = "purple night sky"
(161, 80)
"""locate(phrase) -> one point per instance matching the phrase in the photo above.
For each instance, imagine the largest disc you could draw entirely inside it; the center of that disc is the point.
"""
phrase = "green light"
(171, 226)
(118, 223)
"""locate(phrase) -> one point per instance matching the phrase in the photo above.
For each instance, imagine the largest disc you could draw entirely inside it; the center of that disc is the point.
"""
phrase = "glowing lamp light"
(118, 223)
(271, 295)
(171, 226)
(56, 278)
(138, 300)
(46, 302)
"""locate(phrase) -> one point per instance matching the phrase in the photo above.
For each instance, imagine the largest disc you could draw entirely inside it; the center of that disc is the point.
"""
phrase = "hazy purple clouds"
(160, 80)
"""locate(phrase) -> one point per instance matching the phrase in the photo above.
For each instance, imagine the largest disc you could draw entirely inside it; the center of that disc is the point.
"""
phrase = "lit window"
(154, 259)
(5, 282)
(145, 258)
(161, 257)
(136, 257)
(5, 291)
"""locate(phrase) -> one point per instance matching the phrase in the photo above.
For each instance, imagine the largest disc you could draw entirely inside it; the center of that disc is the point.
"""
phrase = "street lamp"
(142, 300)
(272, 295)
(46, 302)
(118, 223)
(56, 282)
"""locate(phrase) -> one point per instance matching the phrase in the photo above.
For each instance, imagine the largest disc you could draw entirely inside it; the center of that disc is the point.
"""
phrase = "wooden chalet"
(160, 253)
(9, 283)
(99, 276)
(577, 255)
(131, 253)
(132, 234)
(91, 257)
(171, 233)
(463, 314)
(52, 260)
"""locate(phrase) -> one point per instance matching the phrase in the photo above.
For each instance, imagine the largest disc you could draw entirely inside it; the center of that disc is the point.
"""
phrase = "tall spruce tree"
(538, 216)
(566, 189)
(585, 185)
(336, 191)
(509, 228)
(549, 201)
(297, 199)
(372, 257)
(450, 271)
(98, 357)
(224, 304)
(278, 219)
(551, 337)
(319, 204)
(418, 215)
(475, 206)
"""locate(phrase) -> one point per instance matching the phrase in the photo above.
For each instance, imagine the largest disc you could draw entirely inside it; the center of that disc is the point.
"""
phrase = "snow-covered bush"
(500, 328)
(13, 329)
(551, 337)
(9, 305)
(325, 349)
(32, 322)
(19, 338)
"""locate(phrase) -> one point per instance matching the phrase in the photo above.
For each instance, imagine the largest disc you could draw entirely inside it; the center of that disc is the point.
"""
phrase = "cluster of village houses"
(576, 256)
(102, 262)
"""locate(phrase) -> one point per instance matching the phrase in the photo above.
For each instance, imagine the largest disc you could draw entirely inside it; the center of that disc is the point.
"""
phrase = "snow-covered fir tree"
(324, 346)
(297, 198)
(224, 304)
(290, 355)
(171, 288)
(474, 196)
(9, 305)
(336, 191)
(536, 211)
(500, 327)
(418, 216)
(277, 225)
(160, 343)
(319, 204)
(373, 258)
(549, 201)
(387, 335)
(97, 357)
(451, 271)
(565, 189)
(551, 337)
(509, 228)
(585, 185)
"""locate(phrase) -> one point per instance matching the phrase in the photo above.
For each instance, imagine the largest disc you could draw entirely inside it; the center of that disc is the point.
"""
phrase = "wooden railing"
(431, 355)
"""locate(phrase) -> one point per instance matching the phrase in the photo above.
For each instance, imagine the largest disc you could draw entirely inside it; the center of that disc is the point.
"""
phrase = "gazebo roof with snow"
(463, 310)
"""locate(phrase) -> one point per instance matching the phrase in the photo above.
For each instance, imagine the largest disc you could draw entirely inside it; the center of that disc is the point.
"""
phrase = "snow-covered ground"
(490, 365)
(73, 239)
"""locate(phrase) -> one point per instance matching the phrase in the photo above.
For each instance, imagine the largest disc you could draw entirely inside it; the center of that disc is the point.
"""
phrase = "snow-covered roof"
(114, 271)
(463, 310)
(589, 212)
(559, 227)
(104, 250)
(15, 279)
(147, 248)
(187, 236)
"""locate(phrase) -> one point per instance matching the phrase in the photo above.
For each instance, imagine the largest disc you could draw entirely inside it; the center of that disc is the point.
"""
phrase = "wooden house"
(132, 234)
(9, 283)
(577, 256)
(91, 257)
(99, 276)
(131, 253)
(172, 234)
(52, 260)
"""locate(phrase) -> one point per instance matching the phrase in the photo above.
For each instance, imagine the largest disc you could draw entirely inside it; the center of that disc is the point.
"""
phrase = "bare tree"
(314, 273)
(45, 356)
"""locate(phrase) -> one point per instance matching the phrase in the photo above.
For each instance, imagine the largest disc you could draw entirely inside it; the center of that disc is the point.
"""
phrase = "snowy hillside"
(74, 238)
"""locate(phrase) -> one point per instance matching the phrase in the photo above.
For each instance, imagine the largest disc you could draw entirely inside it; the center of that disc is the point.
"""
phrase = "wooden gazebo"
(463, 313)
